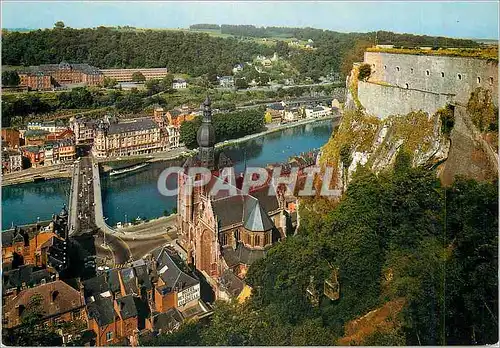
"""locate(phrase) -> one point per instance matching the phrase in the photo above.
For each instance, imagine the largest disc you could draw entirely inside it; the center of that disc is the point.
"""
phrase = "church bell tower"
(206, 137)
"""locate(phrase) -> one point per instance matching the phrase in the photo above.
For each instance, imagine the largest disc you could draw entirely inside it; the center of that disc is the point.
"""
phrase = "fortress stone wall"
(382, 101)
(441, 75)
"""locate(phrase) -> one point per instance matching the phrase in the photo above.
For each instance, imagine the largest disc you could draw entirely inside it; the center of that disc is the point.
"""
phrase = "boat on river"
(127, 170)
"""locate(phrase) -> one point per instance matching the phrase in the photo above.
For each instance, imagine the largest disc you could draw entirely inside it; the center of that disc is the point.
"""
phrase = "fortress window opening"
(397, 68)
(478, 80)
(385, 67)
(442, 73)
(411, 70)
(459, 76)
(491, 80)
(406, 86)
(427, 72)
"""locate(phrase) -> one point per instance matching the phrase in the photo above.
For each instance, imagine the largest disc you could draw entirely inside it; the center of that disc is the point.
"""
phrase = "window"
(478, 79)
(491, 80)
(397, 68)
(224, 239)
(237, 235)
(459, 76)
(54, 295)
(406, 86)
(385, 67)
(109, 336)
(442, 73)
(427, 72)
(257, 240)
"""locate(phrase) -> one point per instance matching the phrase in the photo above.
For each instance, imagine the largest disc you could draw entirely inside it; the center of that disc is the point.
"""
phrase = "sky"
(454, 19)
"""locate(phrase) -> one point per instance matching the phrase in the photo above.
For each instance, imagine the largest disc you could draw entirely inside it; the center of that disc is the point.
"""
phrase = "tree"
(364, 72)
(32, 331)
(59, 25)
(109, 82)
(10, 78)
(241, 84)
(138, 77)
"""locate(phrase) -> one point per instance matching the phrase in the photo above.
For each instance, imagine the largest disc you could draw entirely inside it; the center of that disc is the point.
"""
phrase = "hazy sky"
(455, 19)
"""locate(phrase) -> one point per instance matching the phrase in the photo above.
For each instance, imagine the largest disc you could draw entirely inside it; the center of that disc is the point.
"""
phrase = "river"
(135, 194)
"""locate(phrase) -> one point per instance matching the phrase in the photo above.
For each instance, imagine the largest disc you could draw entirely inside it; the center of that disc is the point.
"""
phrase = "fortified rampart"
(443, 77)
(382, 101)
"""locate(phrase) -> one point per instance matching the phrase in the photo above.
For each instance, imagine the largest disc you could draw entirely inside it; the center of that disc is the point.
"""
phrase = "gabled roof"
(126, 304)
(113, 280)
(167, 321)
(57, 297)
(142, 275)
(129, 280)
(171, 274)
(102, 310)
(256, 218)
(26, 274)
(231, 283)
(95, 286)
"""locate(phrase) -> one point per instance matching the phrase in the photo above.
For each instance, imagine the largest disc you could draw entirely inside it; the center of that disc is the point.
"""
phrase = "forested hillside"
(398, 240)
(199, 53)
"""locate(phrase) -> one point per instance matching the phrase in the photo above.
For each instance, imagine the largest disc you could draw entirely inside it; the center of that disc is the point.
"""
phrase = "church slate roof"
(229, 210)
(256, 218)
(241, 255)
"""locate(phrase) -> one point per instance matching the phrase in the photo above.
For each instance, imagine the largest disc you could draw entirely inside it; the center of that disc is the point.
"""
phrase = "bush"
(364, 72)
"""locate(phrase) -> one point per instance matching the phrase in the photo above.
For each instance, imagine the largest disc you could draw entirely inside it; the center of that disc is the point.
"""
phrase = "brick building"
(125, 75)
(37, 80)
(11, 138)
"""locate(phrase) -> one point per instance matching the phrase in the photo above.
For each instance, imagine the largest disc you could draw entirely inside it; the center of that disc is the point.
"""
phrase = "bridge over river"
(86, 217)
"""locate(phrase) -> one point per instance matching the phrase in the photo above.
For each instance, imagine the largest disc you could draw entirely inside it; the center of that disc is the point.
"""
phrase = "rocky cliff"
(448, 139)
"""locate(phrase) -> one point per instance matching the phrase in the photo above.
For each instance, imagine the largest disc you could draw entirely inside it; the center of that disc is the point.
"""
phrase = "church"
(224, 234)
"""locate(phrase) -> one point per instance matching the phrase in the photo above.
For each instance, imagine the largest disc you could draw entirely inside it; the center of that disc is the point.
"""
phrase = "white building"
(173, 136)
(49, 127)
(237, 68)
(317, 111)
(226, 81)
(179, 83)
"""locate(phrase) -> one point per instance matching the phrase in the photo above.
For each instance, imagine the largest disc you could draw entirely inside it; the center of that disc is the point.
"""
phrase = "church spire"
(206, 137)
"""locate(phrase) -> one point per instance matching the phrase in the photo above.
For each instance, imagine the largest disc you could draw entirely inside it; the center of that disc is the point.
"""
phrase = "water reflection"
(135, 194)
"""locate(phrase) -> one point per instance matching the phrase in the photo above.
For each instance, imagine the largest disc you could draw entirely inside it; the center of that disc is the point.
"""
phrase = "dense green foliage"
(199, 53)
(227, 126)
(396, 235)
(364, 72)
(447, 118)
(10, 78)
(31, 332)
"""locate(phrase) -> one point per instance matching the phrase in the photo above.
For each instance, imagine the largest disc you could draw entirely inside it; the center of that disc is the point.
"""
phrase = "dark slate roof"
(256, 219)
(129, 280)
(229, 210)
(102, 310)
(127, 307)
(167, 321)
(242, 255)
(113, 280)
(132, 126)
(95, 286)
(27, 274)
(142, 275)
(268, 202)
(231, 283)
(171, 274)
(276, 106)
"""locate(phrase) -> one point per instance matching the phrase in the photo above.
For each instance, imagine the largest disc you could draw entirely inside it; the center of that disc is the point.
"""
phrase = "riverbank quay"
(42, 173)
